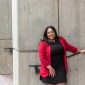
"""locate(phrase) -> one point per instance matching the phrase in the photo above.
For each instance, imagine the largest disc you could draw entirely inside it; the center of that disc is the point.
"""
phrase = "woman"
(52, 54)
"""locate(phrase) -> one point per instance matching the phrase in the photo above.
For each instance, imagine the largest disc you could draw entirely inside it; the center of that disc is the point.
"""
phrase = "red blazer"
(44, 51)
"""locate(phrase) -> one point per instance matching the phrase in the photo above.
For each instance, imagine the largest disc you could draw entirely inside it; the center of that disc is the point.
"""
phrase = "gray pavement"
(6, 80)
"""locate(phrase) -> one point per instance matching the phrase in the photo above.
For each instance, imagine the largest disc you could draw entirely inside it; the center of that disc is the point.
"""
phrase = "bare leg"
(61, 84)
(50, 84)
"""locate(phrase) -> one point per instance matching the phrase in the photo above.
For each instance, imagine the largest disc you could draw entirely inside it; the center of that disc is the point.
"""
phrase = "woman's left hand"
(82, 51)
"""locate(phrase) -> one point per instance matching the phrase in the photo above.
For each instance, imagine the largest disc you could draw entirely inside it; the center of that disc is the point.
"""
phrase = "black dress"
(57, 63)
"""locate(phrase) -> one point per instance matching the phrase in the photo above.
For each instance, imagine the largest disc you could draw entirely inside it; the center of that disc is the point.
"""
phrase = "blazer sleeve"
(42, 55)
(70, 47)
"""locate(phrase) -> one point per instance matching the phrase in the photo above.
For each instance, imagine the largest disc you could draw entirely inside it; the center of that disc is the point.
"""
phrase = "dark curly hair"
(45, 37)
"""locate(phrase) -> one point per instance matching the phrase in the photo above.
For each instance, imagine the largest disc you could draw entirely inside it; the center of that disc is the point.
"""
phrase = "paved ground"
(6, 80)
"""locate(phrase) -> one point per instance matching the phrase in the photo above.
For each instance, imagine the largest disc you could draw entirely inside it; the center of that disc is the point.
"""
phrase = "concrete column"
(29, 19)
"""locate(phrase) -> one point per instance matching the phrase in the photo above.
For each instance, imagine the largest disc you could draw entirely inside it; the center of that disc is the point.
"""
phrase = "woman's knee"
(61, 84)
(50, 84)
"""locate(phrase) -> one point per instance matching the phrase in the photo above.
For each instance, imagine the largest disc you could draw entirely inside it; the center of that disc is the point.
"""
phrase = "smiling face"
(50, 34)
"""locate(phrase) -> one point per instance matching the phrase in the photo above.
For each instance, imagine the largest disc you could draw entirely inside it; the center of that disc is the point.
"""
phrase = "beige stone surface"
(20, 68)
(5, 19)
(5, 37)
(6, 58)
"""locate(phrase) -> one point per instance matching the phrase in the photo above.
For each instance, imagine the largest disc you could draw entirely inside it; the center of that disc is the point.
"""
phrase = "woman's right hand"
(52, 71)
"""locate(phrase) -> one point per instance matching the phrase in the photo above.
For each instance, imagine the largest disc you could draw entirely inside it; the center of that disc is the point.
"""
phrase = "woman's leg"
(50, 84)
(61, 84)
